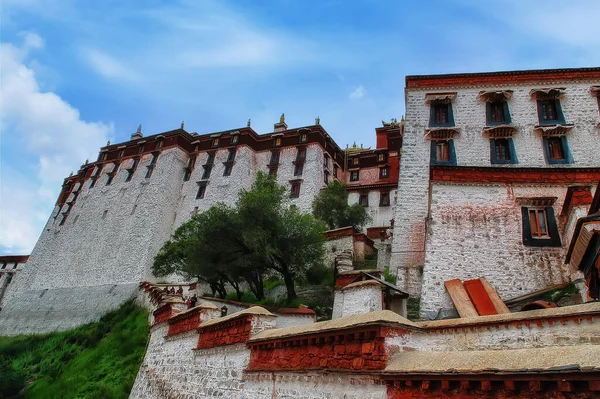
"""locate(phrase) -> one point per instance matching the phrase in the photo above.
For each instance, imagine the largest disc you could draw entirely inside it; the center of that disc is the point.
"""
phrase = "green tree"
(287, 241)
(331, 206)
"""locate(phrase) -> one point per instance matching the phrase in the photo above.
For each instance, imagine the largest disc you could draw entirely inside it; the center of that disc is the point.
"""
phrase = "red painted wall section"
(486, 389)
(514, 175)
(360, 349)
(162, 314)
(188, 321)
(382, 139)
(228, 333)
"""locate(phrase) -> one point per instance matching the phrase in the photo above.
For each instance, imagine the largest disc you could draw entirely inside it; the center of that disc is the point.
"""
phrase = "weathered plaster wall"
(358, 300)
(472, 149)
(476, 231)
(335, 246)
(380, 215)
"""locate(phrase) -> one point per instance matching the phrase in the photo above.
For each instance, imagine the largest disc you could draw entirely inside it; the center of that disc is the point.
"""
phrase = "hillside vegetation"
(98, 360)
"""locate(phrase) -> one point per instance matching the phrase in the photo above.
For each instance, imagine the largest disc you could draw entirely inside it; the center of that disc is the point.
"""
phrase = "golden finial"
(282, 118)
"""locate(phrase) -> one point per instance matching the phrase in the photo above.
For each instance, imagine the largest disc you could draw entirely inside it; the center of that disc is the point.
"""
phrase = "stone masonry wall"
(476, 231)
(473, 149)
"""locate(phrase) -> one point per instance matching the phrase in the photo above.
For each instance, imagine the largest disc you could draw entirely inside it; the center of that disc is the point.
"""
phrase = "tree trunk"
(289, 285)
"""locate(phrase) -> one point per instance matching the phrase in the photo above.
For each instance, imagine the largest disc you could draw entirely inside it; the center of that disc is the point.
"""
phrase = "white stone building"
(488, 162)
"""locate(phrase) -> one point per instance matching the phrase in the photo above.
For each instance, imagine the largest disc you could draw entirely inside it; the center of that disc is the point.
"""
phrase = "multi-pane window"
(298, 169)
(326, 161)
(502, 151)
(550, 112)
(538, 220)
(235, 139)
(301, 155)
(211, 158)
(274, 158)
(189, 168)
(441, 114)
(381, 157)
(295, 191)
(384, 172)
(363, 199)
(384, 199)
(207, 170)
(354, 161)
(326, 177)
(354, 175)
(497, 113)
(557, 150)
(335, 171)
(539, 227)
(231, 156)
(201, 191)
(277, 142)
(442, 152)
(303, 137)
(132, 169)
(121, 153)
(214, 142)
(159, 144)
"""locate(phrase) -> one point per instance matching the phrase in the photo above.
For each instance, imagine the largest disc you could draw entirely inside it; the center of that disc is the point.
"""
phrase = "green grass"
(98, 360)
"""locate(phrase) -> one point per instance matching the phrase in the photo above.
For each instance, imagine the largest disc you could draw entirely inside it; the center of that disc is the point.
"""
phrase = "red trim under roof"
(501, 77)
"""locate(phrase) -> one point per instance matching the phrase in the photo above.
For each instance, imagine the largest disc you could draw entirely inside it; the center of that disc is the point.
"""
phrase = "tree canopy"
(260, 235)
(331, 206)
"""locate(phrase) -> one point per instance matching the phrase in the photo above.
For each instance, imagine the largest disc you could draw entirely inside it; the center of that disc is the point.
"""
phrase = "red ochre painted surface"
(505, 387)
(514, 175)
(480, 298)
(162, 314)
(186, 322)
(358, 349)
(228, 333)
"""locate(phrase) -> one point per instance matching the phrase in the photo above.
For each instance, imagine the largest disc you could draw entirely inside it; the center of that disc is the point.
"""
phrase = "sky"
(75, 74)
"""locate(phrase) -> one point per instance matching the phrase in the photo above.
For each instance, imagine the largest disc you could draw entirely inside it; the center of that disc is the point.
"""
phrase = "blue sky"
(75, 74)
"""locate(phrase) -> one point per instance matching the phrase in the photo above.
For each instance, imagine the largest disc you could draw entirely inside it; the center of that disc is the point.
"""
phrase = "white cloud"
(106, 65)
(50, 133)
(357, 93)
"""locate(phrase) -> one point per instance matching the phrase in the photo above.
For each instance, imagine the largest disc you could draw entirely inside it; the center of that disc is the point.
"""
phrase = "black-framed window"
(295, 190)
(207, 170)
(303, 138)
(354, 175)
(298, 169)
(354, 161)
(363, 199)
(301, 154)
(231, 155)
(539, 227)
(550, 112)
(497, 113)
(442, 152)
(384, 198)
(214, 142)
(335, 171)
(189, 168)
(382, 157)
(140, 148)
(132, 169)
(201, 191)
(277, 142)
(234, 139)
(326, 177)
(112, 174)
(228, 170)
(384, 172)
(160, 143)
(441, 115)
(502, 151)
(326, 161)
(556, 150)
(211, 158)
(274, 157)
(121, 153)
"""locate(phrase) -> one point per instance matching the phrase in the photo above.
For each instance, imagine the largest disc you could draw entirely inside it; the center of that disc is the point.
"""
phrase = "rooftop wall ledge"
(191, 319)
(354, 343)
(236, 328)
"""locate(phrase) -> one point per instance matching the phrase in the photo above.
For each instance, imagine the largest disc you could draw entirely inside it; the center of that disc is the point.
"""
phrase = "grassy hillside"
(98, 360)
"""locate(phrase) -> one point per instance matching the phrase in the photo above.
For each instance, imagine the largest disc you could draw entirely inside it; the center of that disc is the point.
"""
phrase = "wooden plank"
(494, 297)
(460, 298)
(479, 297)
